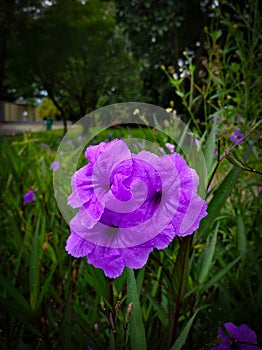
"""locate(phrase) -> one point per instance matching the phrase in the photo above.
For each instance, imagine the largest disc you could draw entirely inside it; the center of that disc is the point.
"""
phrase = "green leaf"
(219, 199)
(66, 326)
(241, 237)
(119, 282)
(222, 193)
(179, 93)
(217, 80)
(34, 268)
(210, 149)
(137, 331)
(207, 257)
(97, 280)
(184, 334)
(179, 277)
(46, 285)
(139, 280)
(216, 34)
(219, 275)
(15, 294)
(161, 313)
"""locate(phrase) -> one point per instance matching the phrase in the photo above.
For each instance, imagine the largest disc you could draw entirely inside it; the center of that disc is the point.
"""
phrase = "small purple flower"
(79, 138)
(55, 166)
(29, 197)
(110, 135)
(236, 137)
(139, 144)
(162, 150)
(170, 147)
(44, 145)
(197, 142)
(128, 204)
(241, 338)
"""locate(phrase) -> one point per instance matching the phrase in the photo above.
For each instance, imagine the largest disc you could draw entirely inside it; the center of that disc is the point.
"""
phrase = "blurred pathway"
(13, 128)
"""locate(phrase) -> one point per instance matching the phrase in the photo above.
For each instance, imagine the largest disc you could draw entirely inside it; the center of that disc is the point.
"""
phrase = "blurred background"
(62, 59)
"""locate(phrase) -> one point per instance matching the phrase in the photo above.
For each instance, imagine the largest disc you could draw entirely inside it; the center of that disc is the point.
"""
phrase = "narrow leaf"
(219, 198)
(161, 313)
(46, 285)
(137, 331)
(15, 294)
(210, 149)
(184, 334)
(208, 254)
(34, 268)
(220, 274)
(224, 190)
(241, 237)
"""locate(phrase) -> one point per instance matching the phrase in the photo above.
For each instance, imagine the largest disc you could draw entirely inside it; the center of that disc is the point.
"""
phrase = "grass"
(49, 300)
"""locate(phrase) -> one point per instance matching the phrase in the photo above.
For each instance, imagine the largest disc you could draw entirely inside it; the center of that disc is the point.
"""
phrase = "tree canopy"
(71, 50)
(87, 54)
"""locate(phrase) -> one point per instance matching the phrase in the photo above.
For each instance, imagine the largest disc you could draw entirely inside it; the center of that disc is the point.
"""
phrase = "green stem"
(112, 313)
(181, 274)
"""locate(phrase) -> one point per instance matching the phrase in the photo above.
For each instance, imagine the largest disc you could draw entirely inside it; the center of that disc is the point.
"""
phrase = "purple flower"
(197, 142)
(129, 204)
(236, 137)
(170, 147)
(162, 150)
(55, 166)
(29, 197)
(139, 145)
(79, 138)
(242, 337)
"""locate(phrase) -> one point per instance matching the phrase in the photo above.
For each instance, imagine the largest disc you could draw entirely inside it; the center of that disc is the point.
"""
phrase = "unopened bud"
(96, 327)
(102, 304)
(117, 307)
(129, 311)
(45, 246)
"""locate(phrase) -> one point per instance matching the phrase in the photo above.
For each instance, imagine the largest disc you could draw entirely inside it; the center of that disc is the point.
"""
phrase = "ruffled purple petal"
(82, 189)
(136, 257)
(111, 260)
(108, 259)
(93, 152)
(128, 204)
(77, 246)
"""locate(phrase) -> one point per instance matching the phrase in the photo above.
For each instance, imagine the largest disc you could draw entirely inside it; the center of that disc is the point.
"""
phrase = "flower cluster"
(170, 147)
(236, 137)
(129, 204)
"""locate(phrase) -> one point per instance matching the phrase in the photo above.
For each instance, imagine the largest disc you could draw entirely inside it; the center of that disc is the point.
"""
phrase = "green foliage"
(50, 300)
(158, 32)
(81, 58)
(47, 109)
(225, 81)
